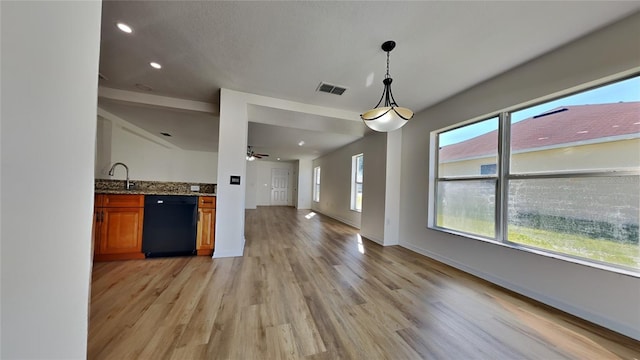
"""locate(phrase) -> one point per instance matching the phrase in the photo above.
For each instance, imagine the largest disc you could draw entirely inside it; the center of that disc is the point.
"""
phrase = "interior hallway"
(308, 287)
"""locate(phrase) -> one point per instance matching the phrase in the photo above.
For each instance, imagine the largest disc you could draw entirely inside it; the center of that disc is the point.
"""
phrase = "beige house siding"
(465, 167)
(621, 154)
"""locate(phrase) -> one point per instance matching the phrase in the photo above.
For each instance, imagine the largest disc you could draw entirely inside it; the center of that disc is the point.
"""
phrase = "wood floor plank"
(309, 287)
(198, 328)
(281, 343)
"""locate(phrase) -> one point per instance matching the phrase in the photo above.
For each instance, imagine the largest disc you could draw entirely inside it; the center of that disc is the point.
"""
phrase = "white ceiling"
(189, 130)
(285, 49)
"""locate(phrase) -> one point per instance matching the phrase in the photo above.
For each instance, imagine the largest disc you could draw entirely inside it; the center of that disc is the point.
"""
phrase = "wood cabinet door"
(121, 230)
(95, 232)
(123, 200)
(98, 199)
(207, 202)
(95, 229)
(206, 231)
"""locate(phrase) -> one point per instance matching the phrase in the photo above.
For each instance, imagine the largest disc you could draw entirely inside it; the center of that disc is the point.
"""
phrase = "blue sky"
(625, 91)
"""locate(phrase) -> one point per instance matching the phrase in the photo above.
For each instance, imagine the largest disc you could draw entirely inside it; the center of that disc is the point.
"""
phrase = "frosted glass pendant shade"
(387, 118)
(390, 116)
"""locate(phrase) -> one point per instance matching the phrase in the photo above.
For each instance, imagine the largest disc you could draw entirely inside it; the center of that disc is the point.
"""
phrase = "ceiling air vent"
(144, 87)
(331, 89)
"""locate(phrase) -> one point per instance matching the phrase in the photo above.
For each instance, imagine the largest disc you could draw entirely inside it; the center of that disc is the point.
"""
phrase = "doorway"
(279, 186)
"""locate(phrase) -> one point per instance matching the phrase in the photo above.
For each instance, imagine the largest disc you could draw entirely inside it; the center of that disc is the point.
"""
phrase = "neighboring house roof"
(562, 125)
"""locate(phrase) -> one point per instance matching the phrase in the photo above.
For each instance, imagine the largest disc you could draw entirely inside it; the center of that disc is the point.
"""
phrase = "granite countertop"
(152, 192)
(105, 186)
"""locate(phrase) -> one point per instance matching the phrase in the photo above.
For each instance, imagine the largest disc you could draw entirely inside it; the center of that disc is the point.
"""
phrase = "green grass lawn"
(596, 249)
(603, 250)
(470, 225)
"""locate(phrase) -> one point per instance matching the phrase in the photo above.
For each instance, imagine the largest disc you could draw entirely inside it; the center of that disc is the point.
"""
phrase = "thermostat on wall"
(235, 180)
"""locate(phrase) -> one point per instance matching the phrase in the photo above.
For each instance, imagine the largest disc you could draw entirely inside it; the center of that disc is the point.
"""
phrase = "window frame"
(355, 182)
(317, 172)
(504, 176)
(434, 220)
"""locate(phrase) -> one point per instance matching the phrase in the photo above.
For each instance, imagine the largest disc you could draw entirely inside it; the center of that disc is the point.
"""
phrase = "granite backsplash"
(151, 187)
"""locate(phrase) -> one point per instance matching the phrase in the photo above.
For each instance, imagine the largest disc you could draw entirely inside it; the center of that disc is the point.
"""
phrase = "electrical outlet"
(195, 187)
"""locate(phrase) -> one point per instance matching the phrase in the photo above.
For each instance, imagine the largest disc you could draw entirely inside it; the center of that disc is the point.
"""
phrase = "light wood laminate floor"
(309, 289)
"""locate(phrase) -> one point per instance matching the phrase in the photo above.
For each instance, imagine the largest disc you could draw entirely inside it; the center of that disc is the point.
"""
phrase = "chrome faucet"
(128, 184)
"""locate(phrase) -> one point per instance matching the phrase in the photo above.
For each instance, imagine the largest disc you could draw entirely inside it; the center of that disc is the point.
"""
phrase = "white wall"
(305, 184)
(258, 182)
(392, 189)
(251, 200)
(296, 179)
(232, 151)
(335, 185)
(49, 96)
(601, 296)
(148, 156)
(373, 187)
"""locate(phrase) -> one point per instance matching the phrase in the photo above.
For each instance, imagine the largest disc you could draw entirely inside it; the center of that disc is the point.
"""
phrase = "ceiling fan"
(252, 155)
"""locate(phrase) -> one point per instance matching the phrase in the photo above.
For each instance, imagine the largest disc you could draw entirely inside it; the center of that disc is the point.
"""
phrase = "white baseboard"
(342, 220)
(373, 238)
(571, 309)
(230, 253)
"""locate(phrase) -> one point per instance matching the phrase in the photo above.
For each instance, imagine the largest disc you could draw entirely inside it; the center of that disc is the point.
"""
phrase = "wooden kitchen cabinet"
(97, 204)
(117, 231)
(206, 232)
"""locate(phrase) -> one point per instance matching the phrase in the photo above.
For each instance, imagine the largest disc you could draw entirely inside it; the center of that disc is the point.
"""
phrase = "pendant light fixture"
(389, 116)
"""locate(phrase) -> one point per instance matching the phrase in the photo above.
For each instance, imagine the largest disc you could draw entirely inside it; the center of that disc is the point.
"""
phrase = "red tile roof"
(575, 124)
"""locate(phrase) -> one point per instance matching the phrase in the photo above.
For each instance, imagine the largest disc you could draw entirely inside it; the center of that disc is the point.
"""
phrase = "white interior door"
(279, 187)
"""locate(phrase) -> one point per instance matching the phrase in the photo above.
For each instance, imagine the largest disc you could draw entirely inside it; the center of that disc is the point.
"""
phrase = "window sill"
(540, 252)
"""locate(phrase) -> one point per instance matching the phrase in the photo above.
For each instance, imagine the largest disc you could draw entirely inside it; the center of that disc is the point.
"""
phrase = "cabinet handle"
(199, 215)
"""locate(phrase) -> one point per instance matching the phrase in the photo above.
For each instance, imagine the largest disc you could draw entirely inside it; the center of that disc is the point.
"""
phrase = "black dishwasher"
(169, 227)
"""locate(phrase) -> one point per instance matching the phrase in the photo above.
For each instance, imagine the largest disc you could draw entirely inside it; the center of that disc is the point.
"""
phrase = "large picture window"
(316, 184)
(561, 177)
(357, 172)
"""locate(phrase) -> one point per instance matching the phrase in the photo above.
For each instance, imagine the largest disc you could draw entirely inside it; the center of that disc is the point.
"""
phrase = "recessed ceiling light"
(166, 134)
(543, 138)
(582, 132)
(615, 126)
(278, 159)
(301, 143)
(155, 65)
(124, 27)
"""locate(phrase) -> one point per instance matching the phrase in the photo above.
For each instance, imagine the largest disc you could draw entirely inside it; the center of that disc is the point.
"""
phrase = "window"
(488, 169)
(357, 167)
(465, 194)
(561, 177)
(316, 184)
